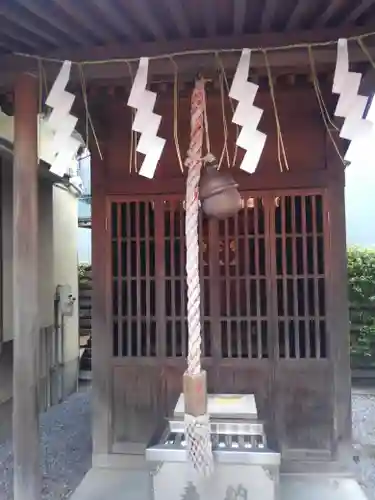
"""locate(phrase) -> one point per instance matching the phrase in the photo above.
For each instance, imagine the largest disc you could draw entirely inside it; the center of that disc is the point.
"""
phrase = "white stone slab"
(319, 487)
(239, 406)
(123, 484)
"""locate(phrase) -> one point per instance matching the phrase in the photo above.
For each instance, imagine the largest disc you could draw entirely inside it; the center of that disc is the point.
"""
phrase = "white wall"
(46, 284)
(45, 136)
(65, 236)
(58, 240)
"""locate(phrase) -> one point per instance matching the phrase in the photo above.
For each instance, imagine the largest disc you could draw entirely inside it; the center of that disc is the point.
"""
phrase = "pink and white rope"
(194, 164)
(197, 430)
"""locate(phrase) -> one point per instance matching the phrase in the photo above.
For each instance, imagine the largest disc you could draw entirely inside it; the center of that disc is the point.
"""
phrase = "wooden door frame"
(1, 255)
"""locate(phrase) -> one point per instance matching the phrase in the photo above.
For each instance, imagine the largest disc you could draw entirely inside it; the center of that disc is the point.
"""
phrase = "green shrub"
(361, 282)
(83, 270)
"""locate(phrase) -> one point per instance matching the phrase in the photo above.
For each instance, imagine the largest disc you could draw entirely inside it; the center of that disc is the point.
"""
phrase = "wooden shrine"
(268, 275)
(274, 311)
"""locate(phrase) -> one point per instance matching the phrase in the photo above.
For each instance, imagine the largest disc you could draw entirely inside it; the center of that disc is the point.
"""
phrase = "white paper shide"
(146, 122)
(247, 115)
(351, 106)
(63, 148)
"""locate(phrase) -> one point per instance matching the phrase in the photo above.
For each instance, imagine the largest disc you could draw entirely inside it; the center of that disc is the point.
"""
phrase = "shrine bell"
(218, 191)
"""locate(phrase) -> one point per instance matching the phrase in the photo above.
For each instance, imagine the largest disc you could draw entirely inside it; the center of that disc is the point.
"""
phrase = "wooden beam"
(328, 13)
(239, 16)
(278, 180)
(221, 43)
(359, 10)
(58, 23)
(188, 64)
(299, 11)
(27, 475)
(268, 14)
(179, 17)
(88, 21)
(116, 19)
(144, 15)
(28, 25)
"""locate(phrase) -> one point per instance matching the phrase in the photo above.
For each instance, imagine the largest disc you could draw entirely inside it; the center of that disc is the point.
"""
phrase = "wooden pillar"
(101, 327)
(27, 481)
(338, 327)
(1, 258)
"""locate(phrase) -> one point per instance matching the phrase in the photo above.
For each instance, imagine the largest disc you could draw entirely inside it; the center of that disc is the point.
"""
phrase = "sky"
(360, 204)
(360, 195)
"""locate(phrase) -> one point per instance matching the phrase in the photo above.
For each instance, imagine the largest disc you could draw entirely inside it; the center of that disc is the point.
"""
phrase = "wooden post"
(27, 480)
(1, 257)
(338, 305)
(101, 330)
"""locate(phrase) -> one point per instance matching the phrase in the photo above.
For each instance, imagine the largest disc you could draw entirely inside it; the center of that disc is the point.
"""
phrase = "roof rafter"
(328, 13)
(75, 11)
(144, 15)
(209, 10)
(13, 37)
(39, 11)
(268, 14)
(178, 15)
(359, 10)
(118, 21)
(239, 15)
(297, 15)
(30, 26)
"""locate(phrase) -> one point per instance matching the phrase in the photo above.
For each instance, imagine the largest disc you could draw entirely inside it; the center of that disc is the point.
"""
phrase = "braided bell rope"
(197, 430)
(194, 164)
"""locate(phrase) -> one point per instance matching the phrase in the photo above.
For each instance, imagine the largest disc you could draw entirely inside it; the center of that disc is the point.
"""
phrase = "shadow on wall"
(6, 373)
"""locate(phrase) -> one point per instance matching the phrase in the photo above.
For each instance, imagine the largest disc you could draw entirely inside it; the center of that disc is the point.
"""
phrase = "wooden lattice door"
(300, 277)
(262, 308)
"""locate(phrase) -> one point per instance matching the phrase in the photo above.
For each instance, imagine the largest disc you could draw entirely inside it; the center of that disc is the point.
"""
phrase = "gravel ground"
(364, 440)
(66, 447)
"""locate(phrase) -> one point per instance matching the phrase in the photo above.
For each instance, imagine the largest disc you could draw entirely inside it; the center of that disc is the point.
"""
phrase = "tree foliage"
(83, 271)
(361, 282)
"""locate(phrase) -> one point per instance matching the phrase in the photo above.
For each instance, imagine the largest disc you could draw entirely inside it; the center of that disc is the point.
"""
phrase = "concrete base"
(120, 484)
